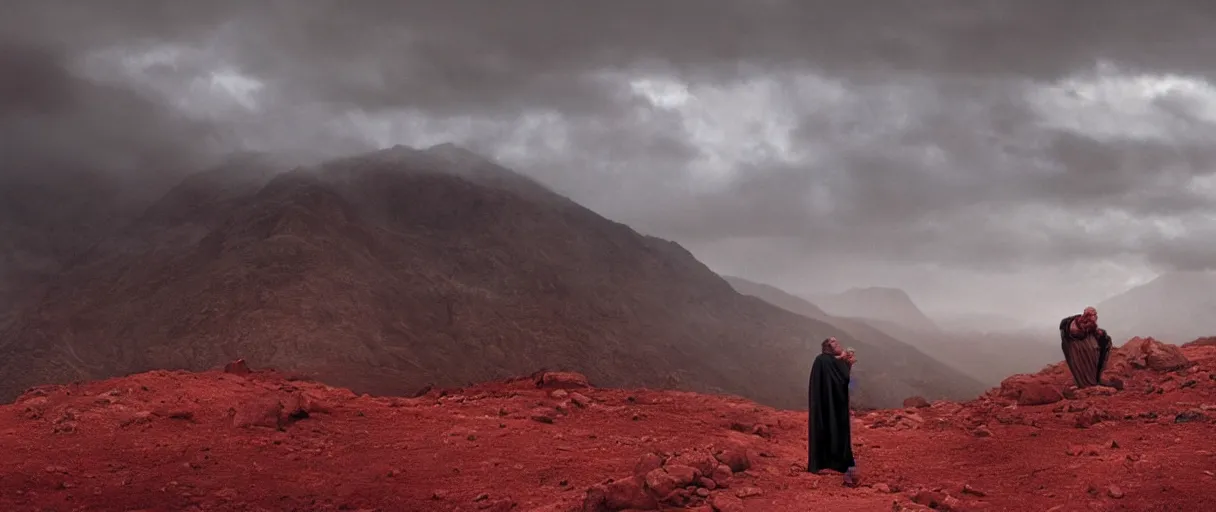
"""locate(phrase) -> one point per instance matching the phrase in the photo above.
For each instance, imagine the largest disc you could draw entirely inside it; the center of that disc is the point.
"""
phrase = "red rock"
(1090, 417)
(721, 475)
(1154, 355)
(580, 400)
(726, 502)
(932, 499)
(625, 494)
(749, 492)
(259, 412)
(647, 463)
(562, 380)
(684, 475)
(238, 367)
(734, 458)
(662, 483)
(702, 460)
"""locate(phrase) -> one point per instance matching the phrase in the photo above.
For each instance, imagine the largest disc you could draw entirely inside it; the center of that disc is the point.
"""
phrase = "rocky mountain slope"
(1176, 306)
(233, 440)
(393, 270)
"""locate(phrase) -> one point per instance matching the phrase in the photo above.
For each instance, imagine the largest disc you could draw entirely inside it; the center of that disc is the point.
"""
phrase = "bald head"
(831, 346)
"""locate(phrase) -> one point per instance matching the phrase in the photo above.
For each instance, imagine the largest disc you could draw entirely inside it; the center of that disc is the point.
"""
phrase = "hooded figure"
(1086, 348)
(829, 440)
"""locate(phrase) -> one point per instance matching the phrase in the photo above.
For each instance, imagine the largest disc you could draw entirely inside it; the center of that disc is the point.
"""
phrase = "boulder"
(1030, 390)
(1148, 353)
(238, 367)
(916, 402)
(562, 380)
(626, 494)
(734, 458)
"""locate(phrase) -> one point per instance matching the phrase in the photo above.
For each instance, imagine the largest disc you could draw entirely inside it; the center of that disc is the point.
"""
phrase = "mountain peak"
(887, 304)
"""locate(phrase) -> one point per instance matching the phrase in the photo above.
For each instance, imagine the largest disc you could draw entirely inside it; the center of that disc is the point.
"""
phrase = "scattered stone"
(725, 502)
(1189, 416)
(647, 463)
(580, 400)
(702, 460)
(931, 499)
(916, 402)
(721, 475)
(968, 489)
(748, 492)
(629, 493)
(562, 380)
(734, 458)
(1093, 391)
(559, 394)
(881, 487)
(543, 415)
(981, 431)
(1090, 417)
(1114, 491)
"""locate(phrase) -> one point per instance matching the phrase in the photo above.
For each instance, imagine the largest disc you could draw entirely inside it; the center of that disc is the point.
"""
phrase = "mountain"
(984, 357)
(261, 441)
(778, 297)
(859, 329)
(1176, 306)
(403, 268)
(877, 303)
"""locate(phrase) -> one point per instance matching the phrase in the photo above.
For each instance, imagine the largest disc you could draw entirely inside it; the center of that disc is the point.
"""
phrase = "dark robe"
(1086, 356)
(829, 442)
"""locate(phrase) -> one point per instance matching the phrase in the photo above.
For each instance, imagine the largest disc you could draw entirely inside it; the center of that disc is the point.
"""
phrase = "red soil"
(171, 441)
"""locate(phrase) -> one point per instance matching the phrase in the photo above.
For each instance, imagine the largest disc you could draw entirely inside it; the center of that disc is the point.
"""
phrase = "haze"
(1025, 158)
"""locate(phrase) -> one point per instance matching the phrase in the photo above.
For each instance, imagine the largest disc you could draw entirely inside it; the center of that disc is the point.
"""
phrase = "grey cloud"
(934, 156)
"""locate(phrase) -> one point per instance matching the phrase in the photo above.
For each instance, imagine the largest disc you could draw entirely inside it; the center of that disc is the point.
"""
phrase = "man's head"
(1088, 319)
(831, 346)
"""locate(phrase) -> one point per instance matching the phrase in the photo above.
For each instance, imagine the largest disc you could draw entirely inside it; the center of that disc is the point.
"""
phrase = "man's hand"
(848, 357)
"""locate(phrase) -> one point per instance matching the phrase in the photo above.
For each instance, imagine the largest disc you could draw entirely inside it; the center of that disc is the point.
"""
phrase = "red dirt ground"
(164, 441)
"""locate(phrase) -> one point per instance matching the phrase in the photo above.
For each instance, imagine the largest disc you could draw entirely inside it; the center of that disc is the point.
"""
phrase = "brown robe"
(1086, 356)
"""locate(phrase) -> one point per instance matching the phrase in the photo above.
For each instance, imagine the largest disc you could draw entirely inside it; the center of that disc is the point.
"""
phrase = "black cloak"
(829, 442)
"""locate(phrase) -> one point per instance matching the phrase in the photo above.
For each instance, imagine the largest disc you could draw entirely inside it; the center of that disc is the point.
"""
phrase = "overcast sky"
(1024, 156)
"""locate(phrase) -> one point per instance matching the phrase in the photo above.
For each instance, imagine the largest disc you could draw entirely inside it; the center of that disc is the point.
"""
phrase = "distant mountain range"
(890, 315)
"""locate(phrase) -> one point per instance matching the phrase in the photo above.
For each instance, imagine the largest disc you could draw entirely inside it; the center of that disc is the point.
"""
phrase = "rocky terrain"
(390, 271)
(238, 440)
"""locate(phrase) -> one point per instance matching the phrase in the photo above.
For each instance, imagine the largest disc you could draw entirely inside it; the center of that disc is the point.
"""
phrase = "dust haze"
(1018, 159)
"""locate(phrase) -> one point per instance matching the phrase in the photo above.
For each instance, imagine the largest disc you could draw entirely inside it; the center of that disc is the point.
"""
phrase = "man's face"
(834, 346)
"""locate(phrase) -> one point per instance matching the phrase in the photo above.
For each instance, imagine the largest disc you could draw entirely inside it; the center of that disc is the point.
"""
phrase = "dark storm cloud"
(936, 156)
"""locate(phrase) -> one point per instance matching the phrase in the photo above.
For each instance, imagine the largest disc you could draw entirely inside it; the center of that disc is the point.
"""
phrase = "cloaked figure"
(1086, 349)
(829, 440)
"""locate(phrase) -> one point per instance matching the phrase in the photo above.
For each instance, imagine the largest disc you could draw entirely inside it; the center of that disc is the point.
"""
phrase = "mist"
(933, 148)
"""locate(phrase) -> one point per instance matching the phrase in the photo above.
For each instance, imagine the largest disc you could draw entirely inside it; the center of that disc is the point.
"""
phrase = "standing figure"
(829, 440)
(1086, 348)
